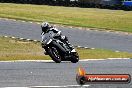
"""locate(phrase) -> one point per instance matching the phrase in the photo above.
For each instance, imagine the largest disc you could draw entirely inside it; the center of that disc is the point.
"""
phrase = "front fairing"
(47, 37)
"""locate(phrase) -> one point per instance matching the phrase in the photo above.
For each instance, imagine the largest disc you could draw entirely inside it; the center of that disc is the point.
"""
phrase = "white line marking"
(60, 86)
(126, 33)
(117, 58)
(90, 60)
(117, 51)
(47, 60)
(88, 29)
(6, 36)
(28, 61)
(108, 31)
(31, 22)
(14, 87)
(87, 48)
(13, 37)
(54, 25)
(84, 60)
(71, 27)
(117, 32)
(21, 38)
(35, 40)
(38, 23)
(13, 20)
(23, 21)
(93, 48)
(79, 46)
(80, 28)
(28, 39)
(6, 19)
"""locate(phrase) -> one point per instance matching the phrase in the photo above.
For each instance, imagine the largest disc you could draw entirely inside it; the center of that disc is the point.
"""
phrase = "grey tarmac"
(85, 38)
(29, 74)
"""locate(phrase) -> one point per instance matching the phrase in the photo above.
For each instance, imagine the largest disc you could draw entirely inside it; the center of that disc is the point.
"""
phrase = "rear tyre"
(75, 58)
(54, 54)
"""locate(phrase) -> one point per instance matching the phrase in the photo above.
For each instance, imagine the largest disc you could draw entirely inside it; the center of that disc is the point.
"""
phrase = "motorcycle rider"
(46, 27)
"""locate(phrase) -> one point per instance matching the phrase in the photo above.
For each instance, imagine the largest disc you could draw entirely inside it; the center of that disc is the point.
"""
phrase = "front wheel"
(54, 54)
(75, 58)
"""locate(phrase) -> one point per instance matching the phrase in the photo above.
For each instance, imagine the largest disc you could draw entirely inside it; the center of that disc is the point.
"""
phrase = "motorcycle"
(58, 50)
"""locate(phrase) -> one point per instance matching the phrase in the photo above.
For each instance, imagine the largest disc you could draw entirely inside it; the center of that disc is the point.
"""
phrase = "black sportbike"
(58, 50)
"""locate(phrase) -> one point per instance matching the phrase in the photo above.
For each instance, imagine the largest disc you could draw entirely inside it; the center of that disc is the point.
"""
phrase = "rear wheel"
(54, 54)
(75, 58)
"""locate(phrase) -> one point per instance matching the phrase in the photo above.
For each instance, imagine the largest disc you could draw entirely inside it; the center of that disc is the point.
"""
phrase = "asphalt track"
(87, 38)
(29, 74)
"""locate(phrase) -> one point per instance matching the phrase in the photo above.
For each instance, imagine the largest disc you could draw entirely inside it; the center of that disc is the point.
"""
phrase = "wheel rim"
(55, 52)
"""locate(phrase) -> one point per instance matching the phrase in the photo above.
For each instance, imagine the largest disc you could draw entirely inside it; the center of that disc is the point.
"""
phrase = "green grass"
(102, 54)
(13, 49)
(117, 20)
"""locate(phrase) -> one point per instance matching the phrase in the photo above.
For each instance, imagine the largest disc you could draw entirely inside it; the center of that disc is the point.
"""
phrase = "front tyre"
(54, 54)
(75, 58)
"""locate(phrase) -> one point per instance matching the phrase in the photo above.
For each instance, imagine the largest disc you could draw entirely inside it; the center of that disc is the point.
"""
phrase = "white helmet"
(45, 26)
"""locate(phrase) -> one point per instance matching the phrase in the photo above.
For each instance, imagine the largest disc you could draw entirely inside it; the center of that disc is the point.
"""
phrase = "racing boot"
(43, 46)
(45, 52)
(65, 39)
(71, 46)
